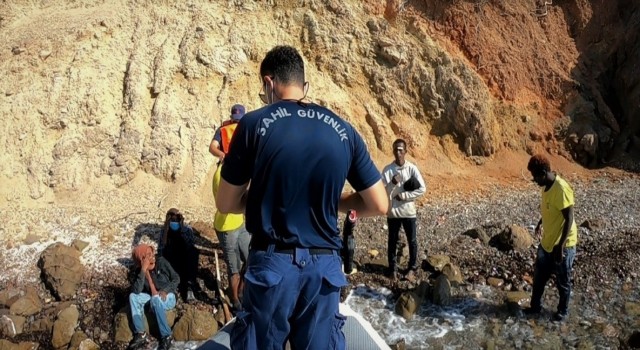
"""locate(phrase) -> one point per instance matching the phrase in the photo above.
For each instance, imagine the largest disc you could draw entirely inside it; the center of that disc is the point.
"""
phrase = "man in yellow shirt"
(233, 236)
(559, 237)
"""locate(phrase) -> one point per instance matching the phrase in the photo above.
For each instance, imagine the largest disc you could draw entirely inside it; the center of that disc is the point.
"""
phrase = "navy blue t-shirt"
(297, 157)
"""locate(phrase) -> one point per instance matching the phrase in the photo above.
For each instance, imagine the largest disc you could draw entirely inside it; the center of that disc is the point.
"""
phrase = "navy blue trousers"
(291, 297)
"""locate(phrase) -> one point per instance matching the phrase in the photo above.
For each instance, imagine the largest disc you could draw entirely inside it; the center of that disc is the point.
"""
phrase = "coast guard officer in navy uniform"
(296, 157)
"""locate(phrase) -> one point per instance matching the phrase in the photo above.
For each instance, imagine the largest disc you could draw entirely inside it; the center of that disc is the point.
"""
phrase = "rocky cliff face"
(114, 89)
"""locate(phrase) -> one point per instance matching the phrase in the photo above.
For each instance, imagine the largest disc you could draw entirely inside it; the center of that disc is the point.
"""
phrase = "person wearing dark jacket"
(177, 245)
(155, 282)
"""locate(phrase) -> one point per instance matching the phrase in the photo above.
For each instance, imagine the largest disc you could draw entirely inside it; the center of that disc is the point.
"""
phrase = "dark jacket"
(163, 275)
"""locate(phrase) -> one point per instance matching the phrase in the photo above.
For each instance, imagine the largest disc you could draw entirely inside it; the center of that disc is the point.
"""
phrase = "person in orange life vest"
(230, 229)
(222, 138)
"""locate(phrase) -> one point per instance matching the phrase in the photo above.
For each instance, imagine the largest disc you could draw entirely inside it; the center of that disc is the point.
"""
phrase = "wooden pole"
(223, 298)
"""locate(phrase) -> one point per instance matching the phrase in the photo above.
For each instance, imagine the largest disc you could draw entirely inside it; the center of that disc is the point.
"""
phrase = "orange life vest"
(226, 134)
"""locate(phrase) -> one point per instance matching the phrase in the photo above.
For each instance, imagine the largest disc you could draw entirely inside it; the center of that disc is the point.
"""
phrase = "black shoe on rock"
(165, 343)
(530, 311)
(139, 340)
(559, 317)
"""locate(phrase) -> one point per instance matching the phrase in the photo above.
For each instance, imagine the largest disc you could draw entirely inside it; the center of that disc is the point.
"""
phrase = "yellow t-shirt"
(558, 197)
(224, 222)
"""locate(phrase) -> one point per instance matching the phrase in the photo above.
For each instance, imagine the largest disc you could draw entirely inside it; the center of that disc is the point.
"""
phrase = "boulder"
(442, 291)
(79, 245)
(61, 269)
(478, 233)
(424, 290)
(123, 327)
(632, 309)
(88, 344)
(7, 345)
(195, 325)
(219, 316)
(408, 304)
(594, 224)
(26, 305)
(453, 274)
(518, 297)
(513, 237)
(76, 339)
(11, 325)
(44, 324)
(80, 341)
(64, 327)
(8, 294)
(438, 261)
(495, 282)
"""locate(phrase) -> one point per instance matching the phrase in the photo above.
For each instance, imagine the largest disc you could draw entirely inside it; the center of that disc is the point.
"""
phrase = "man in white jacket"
(404, 185)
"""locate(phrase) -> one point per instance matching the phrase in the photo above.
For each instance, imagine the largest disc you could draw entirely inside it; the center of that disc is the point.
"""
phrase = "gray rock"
(442, 291)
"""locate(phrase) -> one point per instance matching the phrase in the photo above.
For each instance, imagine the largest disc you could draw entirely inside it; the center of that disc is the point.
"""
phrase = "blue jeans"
(409, 225)
(291, 297)
(159, 308)
(545, 266)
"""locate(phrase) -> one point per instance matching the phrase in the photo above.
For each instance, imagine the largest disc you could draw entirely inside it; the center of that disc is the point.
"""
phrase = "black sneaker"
(530, 311)
(165, 343)
(559, 317)
(138, 341)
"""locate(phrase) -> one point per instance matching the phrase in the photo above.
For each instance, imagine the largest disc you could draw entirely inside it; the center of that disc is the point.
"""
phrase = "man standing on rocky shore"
(404, 184)
(559, 237)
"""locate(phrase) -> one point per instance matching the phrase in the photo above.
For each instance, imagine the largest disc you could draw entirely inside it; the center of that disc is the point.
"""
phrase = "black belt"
(288, 249)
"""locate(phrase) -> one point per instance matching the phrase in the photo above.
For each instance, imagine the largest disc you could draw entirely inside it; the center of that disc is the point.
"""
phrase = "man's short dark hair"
(538, 164)
(400, 141)
(285, 64)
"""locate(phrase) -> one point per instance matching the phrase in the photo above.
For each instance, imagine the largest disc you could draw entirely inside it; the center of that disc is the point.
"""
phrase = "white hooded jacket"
(405, 207)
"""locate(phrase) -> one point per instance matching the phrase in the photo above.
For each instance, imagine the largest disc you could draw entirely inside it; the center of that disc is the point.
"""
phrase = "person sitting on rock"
(177, 246)
(155, 281)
